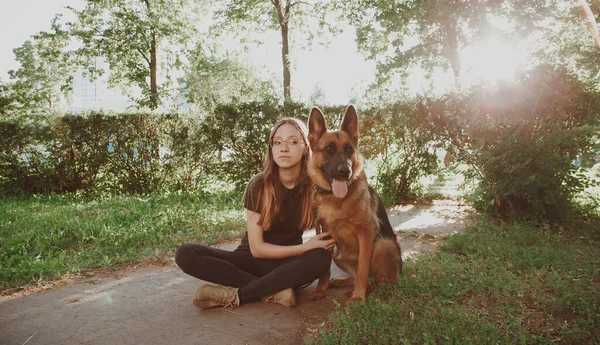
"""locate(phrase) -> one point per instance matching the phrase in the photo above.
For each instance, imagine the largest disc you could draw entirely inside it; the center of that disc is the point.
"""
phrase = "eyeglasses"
(278, 143)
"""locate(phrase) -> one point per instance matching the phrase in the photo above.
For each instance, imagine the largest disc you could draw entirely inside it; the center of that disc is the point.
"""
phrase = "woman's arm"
(260, 249)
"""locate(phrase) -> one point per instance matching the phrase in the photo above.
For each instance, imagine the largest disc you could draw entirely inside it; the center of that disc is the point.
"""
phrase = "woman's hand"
(322, 240)
(260, 249)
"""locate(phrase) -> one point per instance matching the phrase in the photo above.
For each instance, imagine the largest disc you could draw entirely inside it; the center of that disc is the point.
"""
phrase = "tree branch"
(143, 55)
(252, 5)
(421, 46)
(303, 3)
(288, 5)
(280, 15)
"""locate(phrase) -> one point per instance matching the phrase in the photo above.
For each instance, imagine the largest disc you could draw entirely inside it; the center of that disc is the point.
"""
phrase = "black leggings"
(254, 277)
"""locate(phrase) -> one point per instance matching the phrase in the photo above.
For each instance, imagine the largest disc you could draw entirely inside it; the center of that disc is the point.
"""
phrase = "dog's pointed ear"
(350, 124)
(316, 127)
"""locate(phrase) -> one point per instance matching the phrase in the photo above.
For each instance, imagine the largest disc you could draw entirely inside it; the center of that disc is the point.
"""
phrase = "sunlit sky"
(337, 69)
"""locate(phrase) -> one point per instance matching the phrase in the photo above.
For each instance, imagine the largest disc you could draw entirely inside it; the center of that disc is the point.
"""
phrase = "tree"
(136, 38)
(45, 76)
(213, 78)
(431, 34)
(402, 34)
(284, 15)
(563, 39)
(317, 95)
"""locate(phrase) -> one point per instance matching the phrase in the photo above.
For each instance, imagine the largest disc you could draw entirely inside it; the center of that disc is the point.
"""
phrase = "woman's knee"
(181, 254)
(319, 258)
(185, 253)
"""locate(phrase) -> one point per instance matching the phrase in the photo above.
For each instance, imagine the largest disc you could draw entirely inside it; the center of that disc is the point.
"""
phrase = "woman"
(271, 260)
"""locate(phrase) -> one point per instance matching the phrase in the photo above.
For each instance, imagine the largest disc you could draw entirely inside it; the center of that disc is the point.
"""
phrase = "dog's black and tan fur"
(349, 209)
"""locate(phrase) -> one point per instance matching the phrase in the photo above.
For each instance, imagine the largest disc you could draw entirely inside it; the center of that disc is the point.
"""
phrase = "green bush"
(138, 153)
(25, 163)
(93, 152)
(403, 147)
(520, 141)
(144, 153)
(80, 150)
(237, 135)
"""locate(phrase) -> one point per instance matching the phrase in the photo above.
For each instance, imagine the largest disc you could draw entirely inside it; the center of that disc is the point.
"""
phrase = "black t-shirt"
(285, 230)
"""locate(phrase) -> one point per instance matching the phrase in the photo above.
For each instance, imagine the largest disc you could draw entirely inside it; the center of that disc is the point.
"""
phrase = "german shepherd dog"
(350, 210)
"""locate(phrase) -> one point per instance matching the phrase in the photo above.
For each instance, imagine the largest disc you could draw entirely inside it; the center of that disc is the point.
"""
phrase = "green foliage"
(27, 164)
(238, 136)
(265, 15)
(496, 283)
(428, 34)
(94, 153)
(134, 161)
(141, 153)
(138, 153)
(402, 145)
(404, 36)
(212, 78)
(139, 39)
(46, 236)
(8, 100)
(46, 73)
(520, 141)
(587, 202)
(562, 36)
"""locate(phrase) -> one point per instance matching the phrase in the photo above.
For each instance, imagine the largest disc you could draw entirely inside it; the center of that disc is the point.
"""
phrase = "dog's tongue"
(339, 188)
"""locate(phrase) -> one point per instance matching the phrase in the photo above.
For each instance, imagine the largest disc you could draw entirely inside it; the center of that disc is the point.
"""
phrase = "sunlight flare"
(492, 60)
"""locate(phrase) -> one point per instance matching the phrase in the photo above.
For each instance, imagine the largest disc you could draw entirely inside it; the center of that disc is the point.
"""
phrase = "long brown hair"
(269, 200)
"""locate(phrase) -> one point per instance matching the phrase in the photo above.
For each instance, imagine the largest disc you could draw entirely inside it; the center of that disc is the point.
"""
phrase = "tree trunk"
(283, 14)
(153, 88)
(285, 56)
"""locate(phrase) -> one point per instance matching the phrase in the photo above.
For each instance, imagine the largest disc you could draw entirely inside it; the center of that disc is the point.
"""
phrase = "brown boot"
(286, 298)
(209, 296)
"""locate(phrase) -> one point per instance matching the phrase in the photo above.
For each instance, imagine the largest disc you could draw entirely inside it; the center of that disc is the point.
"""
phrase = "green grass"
(495, 284)
(44, 237)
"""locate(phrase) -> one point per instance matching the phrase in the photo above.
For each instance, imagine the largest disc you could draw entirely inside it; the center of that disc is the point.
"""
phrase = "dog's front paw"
(357, 297)
(354, 300)
(316, 295)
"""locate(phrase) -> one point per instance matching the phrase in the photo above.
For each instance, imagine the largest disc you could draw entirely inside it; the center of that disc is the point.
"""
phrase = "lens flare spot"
(106, 300)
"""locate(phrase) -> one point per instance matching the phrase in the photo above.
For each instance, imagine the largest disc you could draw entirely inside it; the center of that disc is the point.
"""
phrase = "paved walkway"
(153, 305)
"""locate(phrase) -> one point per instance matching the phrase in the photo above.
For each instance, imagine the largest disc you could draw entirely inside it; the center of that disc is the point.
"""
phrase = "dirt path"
(153, 305)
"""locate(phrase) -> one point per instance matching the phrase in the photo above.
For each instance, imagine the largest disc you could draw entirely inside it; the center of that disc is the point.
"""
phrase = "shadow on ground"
(153, 305)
